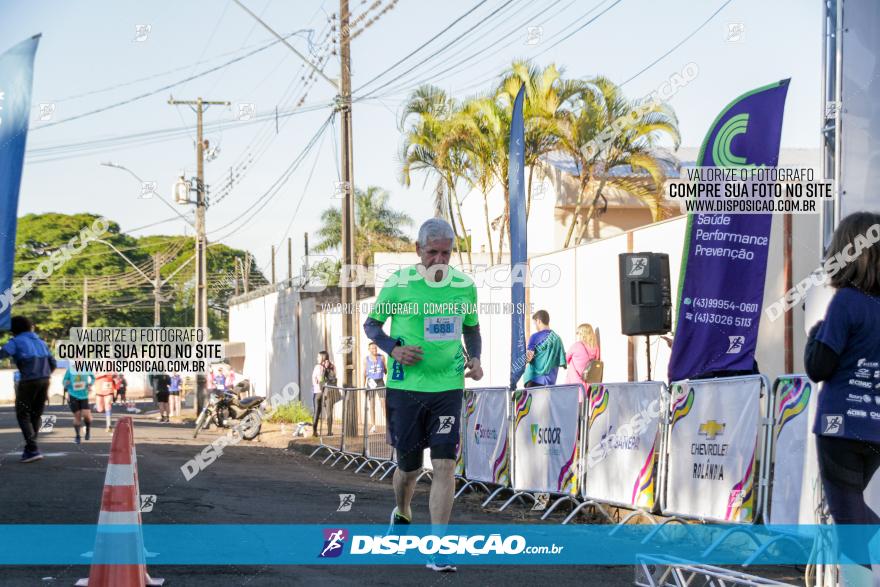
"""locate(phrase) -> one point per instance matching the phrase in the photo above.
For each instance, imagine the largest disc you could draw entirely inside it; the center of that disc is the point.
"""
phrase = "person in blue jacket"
(843, 352)
(35, 364)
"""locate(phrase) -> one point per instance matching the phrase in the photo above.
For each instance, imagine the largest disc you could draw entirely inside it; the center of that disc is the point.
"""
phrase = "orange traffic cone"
(119, 523)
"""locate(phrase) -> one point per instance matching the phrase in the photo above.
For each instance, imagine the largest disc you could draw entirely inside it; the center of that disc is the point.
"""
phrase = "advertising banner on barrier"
(795, 478)
(487, 450)
(623, 442)
(545, 439)
(713, 439)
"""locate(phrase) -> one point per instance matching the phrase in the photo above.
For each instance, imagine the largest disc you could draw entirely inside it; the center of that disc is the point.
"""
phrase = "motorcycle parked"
(226, 410)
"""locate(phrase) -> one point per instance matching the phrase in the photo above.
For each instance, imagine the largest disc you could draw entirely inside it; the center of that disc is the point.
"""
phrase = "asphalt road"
(250, 484)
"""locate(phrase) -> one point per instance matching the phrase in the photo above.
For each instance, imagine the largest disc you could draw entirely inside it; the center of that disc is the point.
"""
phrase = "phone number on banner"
(721, 304)
(709, 318)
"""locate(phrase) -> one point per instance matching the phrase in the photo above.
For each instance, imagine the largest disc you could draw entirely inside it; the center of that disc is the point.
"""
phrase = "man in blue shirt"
(35, 363)
(545, 353)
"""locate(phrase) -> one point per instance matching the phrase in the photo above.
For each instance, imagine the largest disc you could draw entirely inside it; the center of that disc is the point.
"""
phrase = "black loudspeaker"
(645, 294)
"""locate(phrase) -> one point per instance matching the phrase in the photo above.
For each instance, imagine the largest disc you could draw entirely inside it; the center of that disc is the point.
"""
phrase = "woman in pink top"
(581, 353)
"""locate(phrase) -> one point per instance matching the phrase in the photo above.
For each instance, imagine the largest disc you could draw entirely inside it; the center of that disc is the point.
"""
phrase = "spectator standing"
(579, 355)
(843, 352)
(174, 394)
(35, 365)
(544, 353)
(121, 387)
(220, 381)
(162, 383)
(323, 374)
(374, 367)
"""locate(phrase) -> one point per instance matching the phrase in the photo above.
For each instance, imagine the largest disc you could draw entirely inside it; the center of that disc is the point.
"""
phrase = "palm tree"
(482, 132)
(473, 134)
(429, 109)
(594, 136)
(377, 227)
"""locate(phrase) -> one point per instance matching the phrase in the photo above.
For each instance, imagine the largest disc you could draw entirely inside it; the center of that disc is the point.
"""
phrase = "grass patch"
(290, 413)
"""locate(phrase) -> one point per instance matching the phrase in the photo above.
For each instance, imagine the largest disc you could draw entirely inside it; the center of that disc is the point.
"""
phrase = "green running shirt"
(429, 315)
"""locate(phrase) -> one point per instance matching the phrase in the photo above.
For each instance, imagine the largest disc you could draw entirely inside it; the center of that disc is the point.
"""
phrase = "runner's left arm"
(473, 342)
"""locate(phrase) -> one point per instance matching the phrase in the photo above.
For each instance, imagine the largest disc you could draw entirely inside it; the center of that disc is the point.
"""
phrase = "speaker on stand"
(645, 296)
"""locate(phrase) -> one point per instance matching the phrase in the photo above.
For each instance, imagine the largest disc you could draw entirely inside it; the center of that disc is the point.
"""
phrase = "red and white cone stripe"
(119, 523)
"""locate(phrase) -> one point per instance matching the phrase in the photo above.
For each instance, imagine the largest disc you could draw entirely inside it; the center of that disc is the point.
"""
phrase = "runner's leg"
(41, 394)
(24, 408)
(87, 418)
(404, 488)
(442, 490)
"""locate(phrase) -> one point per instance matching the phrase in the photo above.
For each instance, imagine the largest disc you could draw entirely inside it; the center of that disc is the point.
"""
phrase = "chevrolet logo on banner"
(711, 429)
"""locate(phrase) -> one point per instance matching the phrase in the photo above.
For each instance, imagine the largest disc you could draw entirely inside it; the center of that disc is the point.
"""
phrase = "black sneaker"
(30, 457)
(397, 520)
(76, 439)
(440, 565)
(88, 432)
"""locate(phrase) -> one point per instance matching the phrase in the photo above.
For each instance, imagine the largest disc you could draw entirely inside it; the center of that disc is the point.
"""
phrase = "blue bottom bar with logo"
(515, 544)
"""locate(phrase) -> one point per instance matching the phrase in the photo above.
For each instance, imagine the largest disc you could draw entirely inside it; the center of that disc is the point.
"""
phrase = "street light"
(156, 281)
(148, 189)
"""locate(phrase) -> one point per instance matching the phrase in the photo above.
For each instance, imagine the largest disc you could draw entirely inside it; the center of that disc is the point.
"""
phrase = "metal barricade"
(329, 425)
(378, 454)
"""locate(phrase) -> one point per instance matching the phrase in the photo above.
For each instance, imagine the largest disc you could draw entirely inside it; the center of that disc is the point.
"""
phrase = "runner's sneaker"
(88, 432)
(30, 457)
(397, 520)
(441, 565)
(76, 440)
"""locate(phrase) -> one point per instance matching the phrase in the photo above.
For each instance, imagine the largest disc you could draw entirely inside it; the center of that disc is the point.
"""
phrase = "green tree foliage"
(377, 226)
(118, 294)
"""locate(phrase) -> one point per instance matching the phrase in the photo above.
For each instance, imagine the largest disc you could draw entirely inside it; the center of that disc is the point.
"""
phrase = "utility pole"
(349, 294)
(290, 259)
(305, 268)
(85, 302)
(343, 105)
(273, 264)
(157, 287)
(201, 301)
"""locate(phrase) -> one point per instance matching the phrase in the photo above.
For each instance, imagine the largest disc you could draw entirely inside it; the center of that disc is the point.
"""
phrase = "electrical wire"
(439, 51)
(276, 186)
(158, 90)
(304, 191)
(481, 54)
(91, 147)
(422, 46)
(677, 45)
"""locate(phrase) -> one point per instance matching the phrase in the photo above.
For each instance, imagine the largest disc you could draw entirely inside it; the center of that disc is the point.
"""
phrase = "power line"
(304, 191)
(677, 45)
(580, 28)
(443, 48)
(161, 89)
(85, 148)
(160, 74)
(479, 54)
(276, 186)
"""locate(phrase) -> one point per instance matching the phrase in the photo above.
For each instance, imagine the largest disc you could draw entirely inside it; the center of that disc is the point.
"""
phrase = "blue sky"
(89, 46)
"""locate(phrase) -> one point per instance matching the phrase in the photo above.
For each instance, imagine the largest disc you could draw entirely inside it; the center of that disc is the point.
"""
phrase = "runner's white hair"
(435, 229)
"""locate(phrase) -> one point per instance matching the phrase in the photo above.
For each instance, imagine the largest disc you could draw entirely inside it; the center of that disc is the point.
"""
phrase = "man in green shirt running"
(431, 306)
